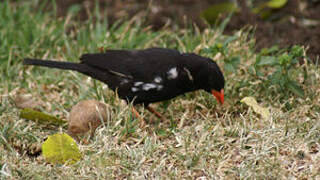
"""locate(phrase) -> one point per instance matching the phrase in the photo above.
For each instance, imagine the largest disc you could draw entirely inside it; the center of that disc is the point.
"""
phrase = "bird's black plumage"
(146, 76)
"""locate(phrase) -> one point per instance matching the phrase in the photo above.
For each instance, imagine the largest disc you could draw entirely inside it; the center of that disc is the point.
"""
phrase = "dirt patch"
(288, 27)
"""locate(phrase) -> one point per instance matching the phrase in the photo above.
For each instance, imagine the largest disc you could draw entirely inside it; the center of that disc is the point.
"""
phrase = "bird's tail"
(54, 64)
(80, 67)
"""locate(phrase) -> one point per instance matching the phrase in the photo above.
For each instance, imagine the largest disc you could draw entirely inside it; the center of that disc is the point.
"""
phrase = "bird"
(145, 76)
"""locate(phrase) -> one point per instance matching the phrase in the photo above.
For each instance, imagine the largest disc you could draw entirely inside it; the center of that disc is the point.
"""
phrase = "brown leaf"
(23, 101)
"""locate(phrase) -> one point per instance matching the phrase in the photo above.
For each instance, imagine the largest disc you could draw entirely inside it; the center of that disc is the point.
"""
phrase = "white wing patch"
(158, 79)
(188, 73)
(134, 89)
(138, 83)
(124, 81)
(159, 87)
(172, 73)
(148, 86)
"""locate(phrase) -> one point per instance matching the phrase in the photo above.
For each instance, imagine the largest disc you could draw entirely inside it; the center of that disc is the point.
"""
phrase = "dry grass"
(202, 140)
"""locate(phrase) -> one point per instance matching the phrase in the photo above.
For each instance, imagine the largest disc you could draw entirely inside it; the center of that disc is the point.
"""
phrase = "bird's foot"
(142, 122)
(153, 111)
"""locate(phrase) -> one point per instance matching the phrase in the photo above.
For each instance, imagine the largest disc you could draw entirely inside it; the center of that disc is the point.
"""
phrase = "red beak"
(219, 95)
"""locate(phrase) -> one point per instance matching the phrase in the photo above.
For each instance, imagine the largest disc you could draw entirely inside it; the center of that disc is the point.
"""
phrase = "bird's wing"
(133, 63)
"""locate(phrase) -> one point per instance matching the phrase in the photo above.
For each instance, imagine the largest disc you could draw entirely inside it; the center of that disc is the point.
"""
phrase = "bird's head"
(215, 83)
(207, 75)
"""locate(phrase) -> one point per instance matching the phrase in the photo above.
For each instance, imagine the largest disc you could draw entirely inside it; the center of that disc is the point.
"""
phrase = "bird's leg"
(102, 49)
(155, 112)
(135, 112)
(150, 109)
(137, 115)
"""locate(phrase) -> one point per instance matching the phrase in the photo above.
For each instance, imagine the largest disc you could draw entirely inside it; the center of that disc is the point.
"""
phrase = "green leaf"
(295, 88)
(271, 50)
(228, 67)
(40, 117)
(235, 61)
(206, 50)
(232, 64)
(276, 4)
(296, 51)
(212, 14)
(252, 70)
(284, 59)
(276, 78)
(61, 149)
(229, 40)
(267, 60)
(212, 50)
(265, 9)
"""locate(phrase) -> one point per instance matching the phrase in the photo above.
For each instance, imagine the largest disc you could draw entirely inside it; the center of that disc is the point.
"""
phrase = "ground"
(201, 139)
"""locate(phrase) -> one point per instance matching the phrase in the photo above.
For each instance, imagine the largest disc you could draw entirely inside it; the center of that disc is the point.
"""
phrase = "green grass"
(202, 139)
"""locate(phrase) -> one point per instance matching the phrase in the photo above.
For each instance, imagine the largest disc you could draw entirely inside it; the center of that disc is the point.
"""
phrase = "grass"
(202, 139)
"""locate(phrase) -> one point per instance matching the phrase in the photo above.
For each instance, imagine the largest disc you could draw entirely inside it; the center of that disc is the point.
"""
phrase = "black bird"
(147, 76)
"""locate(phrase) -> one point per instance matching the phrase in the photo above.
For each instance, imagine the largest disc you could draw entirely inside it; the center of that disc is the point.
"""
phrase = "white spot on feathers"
(188, 73)
(158, 79)
(148, 86)
(134, 89)
(124, 81)
(138, 83)
(159, 87)
(172, 73)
